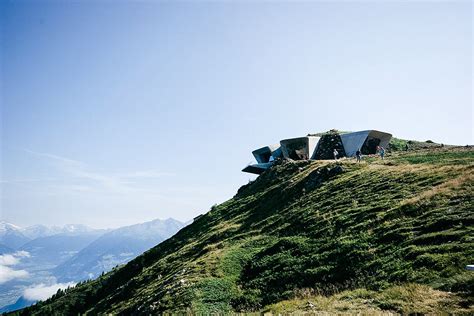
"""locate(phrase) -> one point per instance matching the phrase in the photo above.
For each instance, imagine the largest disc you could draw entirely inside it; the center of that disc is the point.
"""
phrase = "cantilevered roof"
(257, 168)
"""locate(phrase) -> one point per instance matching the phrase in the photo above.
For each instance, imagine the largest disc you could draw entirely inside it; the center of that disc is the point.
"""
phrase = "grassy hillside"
(311, 236)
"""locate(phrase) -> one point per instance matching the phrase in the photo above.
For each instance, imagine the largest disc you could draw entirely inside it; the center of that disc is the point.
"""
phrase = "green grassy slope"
(351, 236)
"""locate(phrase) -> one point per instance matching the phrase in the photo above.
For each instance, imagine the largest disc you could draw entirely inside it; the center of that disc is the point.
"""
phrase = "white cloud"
(13, 258)
(22, 254)
(8, 274)
(146, 174)
(92, 180)
(41, 292)
(7, 260)
(55, 157)
(26, 180)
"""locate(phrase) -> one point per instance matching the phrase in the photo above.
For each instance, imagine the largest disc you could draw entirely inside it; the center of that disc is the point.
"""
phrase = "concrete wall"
(384, 137)
(262, 154)
(312, 145)
(354, 141)
(306, 144)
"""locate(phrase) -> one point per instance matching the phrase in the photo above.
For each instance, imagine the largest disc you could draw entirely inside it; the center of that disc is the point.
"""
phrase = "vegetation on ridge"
(377, 234)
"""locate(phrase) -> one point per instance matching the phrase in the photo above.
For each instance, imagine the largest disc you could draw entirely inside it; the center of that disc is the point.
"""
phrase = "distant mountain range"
(5, 249)
(53, 250)
(36, 231)
(14, 237)
(114, 248)
(21, 302)
(72, 253)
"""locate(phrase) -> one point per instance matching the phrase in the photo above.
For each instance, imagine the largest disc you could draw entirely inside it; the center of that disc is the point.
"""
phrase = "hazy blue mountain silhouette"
(114, 248)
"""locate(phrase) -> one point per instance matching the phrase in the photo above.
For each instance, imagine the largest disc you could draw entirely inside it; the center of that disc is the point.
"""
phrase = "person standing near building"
(358, 155)
(335, 153)
(382, 152)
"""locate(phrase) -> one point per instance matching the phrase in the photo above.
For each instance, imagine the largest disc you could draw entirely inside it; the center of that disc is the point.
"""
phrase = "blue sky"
(115, 113)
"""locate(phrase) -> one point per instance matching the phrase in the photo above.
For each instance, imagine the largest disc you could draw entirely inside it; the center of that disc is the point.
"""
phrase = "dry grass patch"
(322, 305)
(403, 299)
(445, 188)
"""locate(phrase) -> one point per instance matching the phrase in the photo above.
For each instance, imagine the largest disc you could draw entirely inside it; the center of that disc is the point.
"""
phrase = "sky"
(115, 113)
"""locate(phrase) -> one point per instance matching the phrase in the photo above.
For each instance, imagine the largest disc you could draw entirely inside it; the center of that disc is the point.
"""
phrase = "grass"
(399, 299)
(369, 237)
(437, 157)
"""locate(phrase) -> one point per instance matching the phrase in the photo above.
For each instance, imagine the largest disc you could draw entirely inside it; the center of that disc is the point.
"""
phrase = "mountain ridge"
(318, 227)
(15, 236)
(114, 248)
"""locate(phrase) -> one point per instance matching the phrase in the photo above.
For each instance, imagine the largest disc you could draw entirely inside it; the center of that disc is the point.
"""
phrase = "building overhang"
(258, 168)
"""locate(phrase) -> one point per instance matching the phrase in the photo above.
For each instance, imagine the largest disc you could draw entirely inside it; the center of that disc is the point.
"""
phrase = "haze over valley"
(36, 261)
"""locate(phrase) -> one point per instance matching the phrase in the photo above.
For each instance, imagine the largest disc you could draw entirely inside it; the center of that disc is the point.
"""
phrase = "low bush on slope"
(326, 226)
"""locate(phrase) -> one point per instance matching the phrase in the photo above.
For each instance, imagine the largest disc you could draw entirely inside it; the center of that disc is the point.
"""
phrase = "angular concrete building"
(366, 141)
(267, 153)
(314, 147)
(265, 157)
(301, 148)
